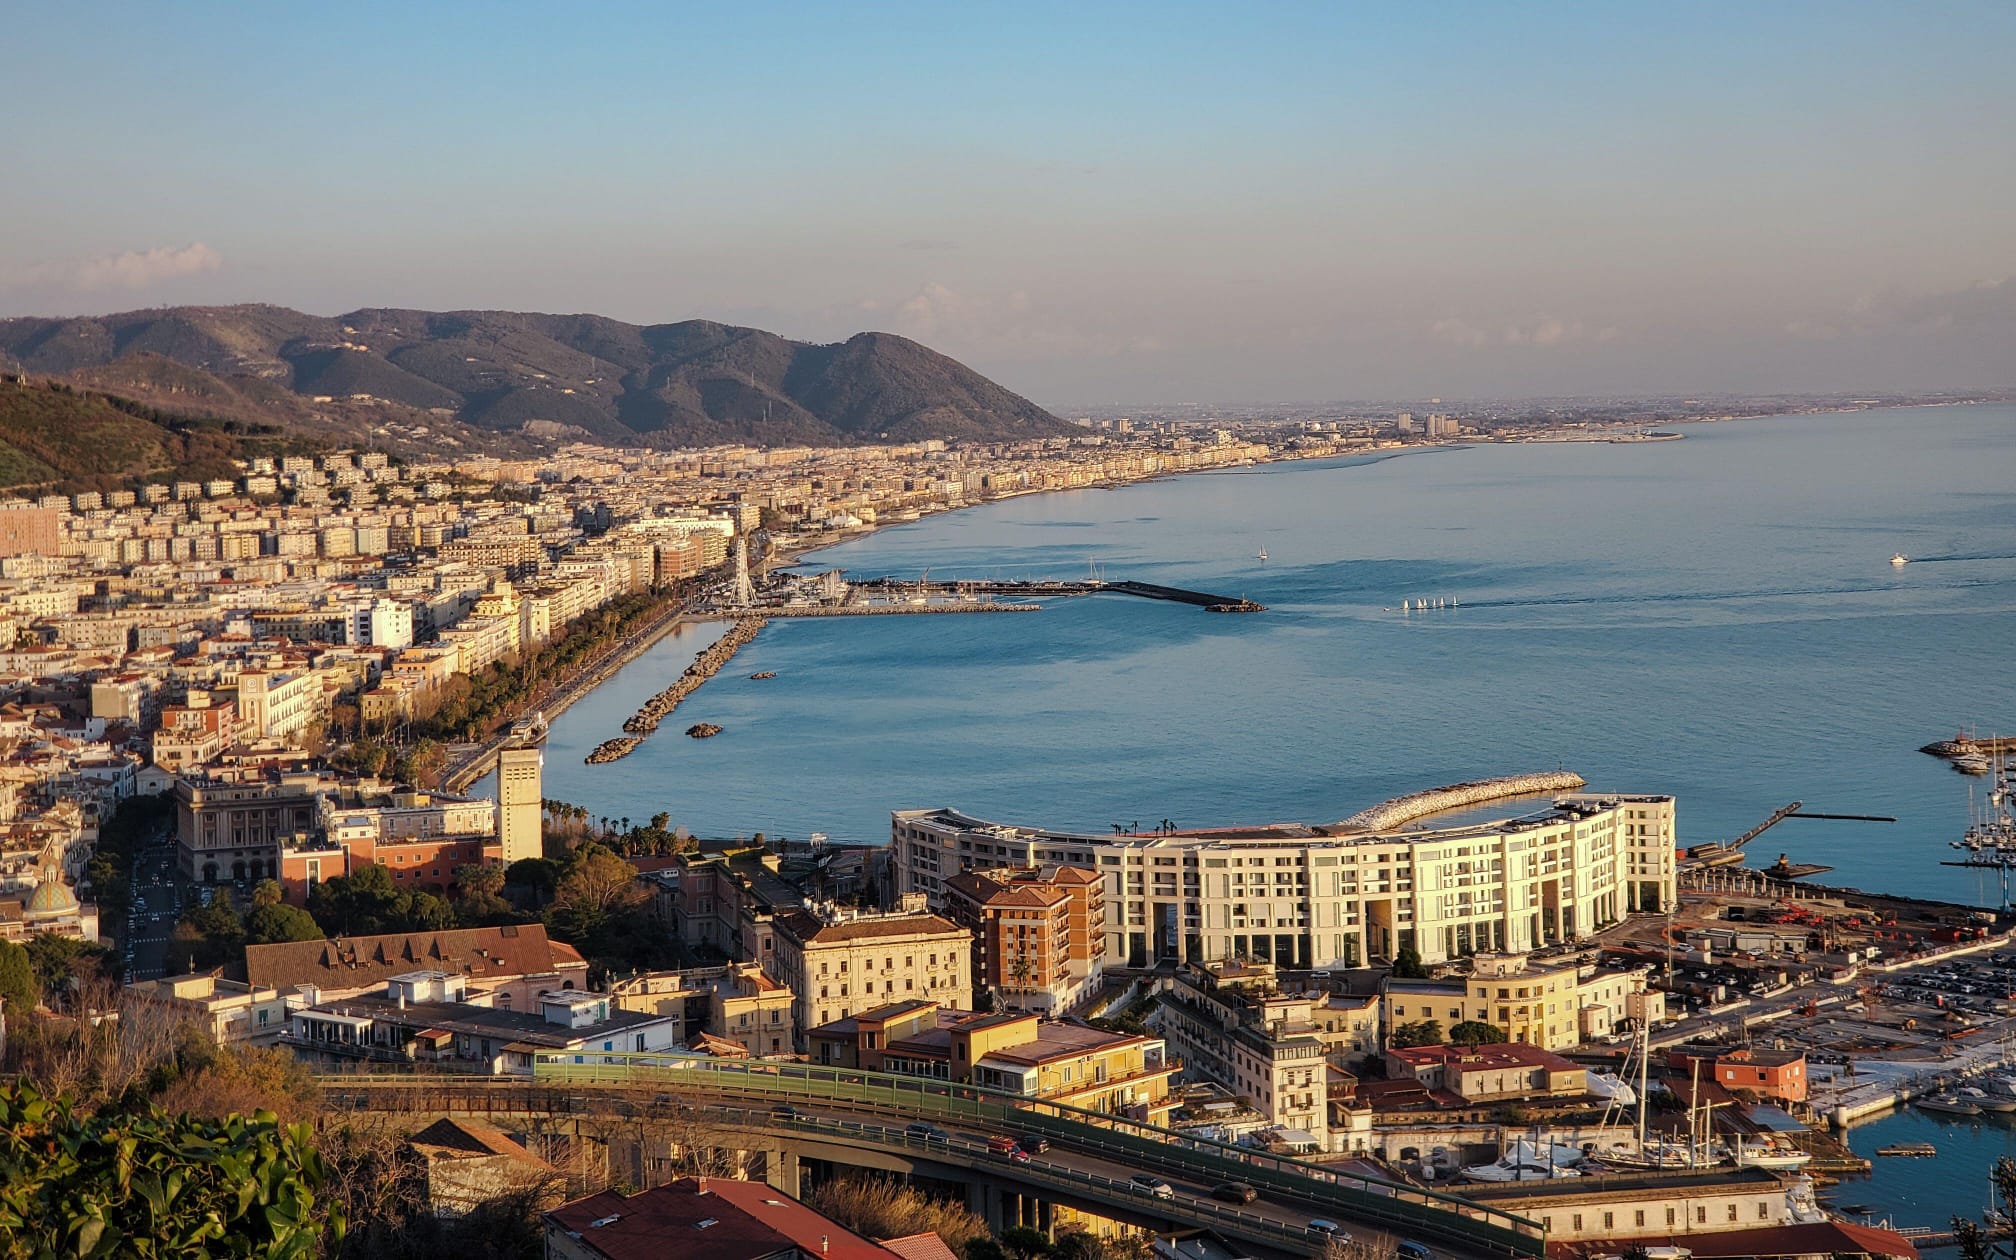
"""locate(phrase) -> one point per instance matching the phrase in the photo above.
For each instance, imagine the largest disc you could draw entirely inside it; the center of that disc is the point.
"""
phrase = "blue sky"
(1150, 202)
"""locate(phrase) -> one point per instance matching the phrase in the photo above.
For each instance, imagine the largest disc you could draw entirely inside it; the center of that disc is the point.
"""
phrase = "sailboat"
(1263, 551)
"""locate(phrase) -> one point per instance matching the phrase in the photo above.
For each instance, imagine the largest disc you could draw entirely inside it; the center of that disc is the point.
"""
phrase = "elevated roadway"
(854, 1118)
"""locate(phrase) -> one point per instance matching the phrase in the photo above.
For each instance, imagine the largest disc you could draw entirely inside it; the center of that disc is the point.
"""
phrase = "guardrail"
(1390, 1204)
(1196, 1211)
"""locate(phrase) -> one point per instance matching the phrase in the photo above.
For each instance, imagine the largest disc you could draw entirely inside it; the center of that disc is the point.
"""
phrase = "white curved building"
(1300, 896)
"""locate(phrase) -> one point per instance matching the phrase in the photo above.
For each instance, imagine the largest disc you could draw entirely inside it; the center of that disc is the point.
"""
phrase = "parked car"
(1234, 1192)
(1153, 1185)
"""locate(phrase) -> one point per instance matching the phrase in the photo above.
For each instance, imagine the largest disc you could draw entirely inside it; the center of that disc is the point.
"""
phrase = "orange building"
(1779, 1075)
(30, 531)
(1038, 932)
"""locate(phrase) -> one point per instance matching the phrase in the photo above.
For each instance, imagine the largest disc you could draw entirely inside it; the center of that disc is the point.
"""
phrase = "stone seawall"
(1402, 810)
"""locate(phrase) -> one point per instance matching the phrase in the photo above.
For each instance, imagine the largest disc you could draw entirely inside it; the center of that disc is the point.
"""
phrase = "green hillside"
(56, 436)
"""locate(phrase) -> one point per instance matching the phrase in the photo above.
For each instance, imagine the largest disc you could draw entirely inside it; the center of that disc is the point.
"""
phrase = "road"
(156, 904)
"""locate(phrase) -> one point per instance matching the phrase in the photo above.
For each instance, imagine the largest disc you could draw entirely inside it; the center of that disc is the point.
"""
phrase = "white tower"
(745, 590)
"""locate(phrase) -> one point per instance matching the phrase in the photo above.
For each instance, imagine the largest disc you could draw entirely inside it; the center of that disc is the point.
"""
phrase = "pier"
(972, 590)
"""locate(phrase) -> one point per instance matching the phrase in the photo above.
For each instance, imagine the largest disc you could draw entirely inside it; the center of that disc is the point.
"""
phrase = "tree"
(62, 963)
(82, 1185)
(596, 885)
(883, 1209)
(269, 924)
(18, 989)
(1407, 964)
(1426, 1032)
(1474, 1033)
(268, 892)
(1970, 1239)
(539, 875)
(1024, 1243)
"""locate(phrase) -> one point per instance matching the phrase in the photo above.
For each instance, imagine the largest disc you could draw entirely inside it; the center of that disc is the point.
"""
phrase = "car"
(1153, 1185)
(1001, 1145)
(783, 1111)
(1329, 1229)
(1408, 1250)
(1034, 1143)
(926, 1132)
(1234, 1192)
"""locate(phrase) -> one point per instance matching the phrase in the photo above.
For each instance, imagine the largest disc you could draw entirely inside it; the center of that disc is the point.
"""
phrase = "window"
(1763, 1211)
(1732, 1211)
(1608, 1222)
(1669, 1216)
(1578, 1222)
(1640, 1222)
(1701, 1215)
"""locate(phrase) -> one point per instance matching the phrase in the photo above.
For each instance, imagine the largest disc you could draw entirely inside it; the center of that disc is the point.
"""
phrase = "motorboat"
(1900, 560)
(1801, 1206)
(1985, 1101)
(1525, 1161)
(1947, 1105)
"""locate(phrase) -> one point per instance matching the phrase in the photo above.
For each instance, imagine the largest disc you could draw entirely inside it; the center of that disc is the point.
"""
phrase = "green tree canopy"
(1476, 1033)
(267, 925)
(1407, 964)
(1426, 1032)
(155, 1184)
(18, 989)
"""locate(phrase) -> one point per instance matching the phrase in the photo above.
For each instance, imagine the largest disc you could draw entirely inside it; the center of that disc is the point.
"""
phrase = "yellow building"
(1550, 1005)
(837, 968)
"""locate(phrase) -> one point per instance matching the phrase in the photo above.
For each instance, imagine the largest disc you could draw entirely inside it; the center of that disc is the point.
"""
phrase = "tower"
(745, 591)
(519, 805)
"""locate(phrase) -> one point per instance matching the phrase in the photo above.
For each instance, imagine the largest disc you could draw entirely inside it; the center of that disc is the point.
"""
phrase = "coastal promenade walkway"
(471, 762)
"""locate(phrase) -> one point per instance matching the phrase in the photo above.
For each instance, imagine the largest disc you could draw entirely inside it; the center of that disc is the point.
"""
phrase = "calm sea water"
(1927, 1192)
(1714, 617)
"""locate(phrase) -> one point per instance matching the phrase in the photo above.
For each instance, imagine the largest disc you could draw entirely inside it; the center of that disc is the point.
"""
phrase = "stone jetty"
(703, 730)
(1405, 809)
(612, 749)
(709, 663)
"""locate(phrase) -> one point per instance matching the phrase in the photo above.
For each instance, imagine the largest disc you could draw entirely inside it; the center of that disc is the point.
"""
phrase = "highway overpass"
(844, 1117)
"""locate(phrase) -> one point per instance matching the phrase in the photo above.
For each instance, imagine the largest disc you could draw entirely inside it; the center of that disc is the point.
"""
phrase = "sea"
(1715, 617)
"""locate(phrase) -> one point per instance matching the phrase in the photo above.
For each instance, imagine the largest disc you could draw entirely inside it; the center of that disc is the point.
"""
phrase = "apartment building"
(1303, 896)
(1229, 1023)
(276, 705)
(1552, 1005)
(835, 967)
(1038, 933)
(1065, 1061)
(231, 1011)
(1493, 1073)
(738, 1005)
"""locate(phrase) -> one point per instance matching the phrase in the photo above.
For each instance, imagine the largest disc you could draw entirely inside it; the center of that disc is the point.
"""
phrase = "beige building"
(834, 969)
(1553, 1005)
(279, 706)
(1303, 896)
(737, 1004)
(1232, 1025)
(231, 1011)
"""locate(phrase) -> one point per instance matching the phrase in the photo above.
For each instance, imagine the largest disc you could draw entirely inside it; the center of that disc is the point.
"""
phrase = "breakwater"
(1405, 809)
(888, 610)
(658, 707)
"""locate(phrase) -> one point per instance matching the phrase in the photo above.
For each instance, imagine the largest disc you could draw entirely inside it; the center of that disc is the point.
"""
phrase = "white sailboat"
(1263, 552)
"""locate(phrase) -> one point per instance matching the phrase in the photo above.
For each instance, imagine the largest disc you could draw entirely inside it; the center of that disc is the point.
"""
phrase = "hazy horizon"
(1084, 203)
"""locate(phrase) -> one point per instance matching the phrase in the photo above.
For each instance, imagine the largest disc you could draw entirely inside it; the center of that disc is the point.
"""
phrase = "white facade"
(1300, 897)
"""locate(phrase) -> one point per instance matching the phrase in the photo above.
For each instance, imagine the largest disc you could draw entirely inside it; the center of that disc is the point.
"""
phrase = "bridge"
(841, 1117)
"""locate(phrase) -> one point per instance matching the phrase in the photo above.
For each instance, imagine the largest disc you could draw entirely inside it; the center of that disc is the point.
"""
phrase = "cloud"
(1544, 332)
(141, 269)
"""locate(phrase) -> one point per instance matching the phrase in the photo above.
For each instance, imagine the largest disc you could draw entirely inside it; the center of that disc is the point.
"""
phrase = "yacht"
(1948, 1105)
(1769, 1154)
(1524, 1161)
(1801, 1207)
(1985, 1101)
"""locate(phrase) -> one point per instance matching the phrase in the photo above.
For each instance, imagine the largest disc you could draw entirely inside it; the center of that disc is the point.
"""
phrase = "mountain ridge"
(517, 373)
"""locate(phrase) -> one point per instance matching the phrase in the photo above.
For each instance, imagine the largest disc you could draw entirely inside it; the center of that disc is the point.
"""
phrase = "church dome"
(51, 899)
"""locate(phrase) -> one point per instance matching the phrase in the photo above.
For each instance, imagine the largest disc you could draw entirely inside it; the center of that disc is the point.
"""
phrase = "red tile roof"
(710, 1218)
(1833, 1238)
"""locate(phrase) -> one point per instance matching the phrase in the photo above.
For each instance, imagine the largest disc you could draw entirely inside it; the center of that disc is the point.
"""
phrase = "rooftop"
(707, 1219)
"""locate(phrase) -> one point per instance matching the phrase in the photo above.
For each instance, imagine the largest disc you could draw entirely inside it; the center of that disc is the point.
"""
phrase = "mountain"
(694, 383)
(56, 436)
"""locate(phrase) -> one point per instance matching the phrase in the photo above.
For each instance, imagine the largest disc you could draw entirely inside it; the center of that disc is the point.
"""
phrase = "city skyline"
(1111, 205)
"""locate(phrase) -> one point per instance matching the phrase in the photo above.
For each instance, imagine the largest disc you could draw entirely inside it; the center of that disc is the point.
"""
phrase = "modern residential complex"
(1301, 896)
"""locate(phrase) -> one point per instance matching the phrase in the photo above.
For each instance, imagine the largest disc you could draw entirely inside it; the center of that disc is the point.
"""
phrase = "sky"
(1092, 203)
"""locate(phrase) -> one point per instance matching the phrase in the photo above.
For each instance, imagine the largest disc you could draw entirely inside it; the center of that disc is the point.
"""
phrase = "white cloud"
(1544, 332)
(140, 269)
